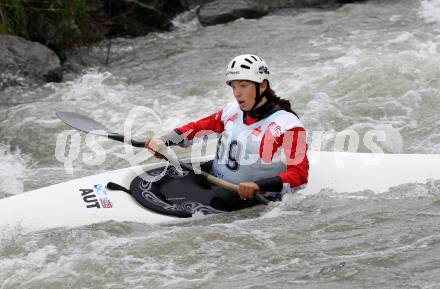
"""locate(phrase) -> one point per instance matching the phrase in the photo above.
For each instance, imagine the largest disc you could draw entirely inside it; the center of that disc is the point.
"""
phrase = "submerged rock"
(27, 60)
(222, 11)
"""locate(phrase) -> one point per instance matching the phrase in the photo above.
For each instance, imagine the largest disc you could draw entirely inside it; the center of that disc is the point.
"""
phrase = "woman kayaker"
(262, 143)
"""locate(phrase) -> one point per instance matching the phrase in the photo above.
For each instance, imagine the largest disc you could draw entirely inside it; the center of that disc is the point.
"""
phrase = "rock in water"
(222, 11)
(28, 60)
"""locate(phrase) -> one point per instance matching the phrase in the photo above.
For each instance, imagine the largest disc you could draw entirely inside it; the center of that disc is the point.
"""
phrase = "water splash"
(187, 21)
(91, 85)
(11, 171)
(430, 10)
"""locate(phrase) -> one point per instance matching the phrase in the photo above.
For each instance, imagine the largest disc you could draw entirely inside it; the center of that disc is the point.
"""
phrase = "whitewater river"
(362, 67)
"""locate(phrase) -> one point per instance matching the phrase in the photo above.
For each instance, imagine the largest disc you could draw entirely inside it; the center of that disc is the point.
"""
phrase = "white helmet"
(247, 67)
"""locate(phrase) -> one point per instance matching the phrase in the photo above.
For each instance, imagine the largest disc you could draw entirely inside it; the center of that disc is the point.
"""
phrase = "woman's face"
(244, 92)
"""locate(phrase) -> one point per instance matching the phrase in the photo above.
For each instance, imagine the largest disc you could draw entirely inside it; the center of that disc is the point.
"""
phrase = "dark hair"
(283, 103)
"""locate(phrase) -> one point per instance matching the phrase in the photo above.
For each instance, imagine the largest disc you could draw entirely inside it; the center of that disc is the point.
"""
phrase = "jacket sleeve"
(294, 144)
(182, 135)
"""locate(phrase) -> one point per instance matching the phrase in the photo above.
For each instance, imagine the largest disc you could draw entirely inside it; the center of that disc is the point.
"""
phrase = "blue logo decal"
(100, 190)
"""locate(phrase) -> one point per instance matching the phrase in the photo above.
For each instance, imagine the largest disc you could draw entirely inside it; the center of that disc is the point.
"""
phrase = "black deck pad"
(183, 194)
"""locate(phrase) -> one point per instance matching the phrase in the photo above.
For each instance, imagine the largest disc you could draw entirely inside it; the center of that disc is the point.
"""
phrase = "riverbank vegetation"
(62, 24)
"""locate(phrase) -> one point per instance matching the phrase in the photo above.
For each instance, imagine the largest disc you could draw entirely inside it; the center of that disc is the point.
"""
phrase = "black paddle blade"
(83, 123)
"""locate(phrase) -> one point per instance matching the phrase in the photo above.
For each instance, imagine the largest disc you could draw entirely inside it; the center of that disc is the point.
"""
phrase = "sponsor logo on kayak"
(96, 197)
(100, 190)
(105, 203)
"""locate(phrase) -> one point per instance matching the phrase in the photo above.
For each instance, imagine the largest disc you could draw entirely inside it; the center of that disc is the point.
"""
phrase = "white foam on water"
(402, 37)
(187, 21)
(29, 265)
(351, 58)
(12, 169)
(322, 112)
(430, 10)
(91, 86)
(102, 96)
(395, 18)
(393, 141)
(423, 122)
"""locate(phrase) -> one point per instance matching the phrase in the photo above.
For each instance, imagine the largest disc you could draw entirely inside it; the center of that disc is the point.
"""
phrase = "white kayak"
(85, 201)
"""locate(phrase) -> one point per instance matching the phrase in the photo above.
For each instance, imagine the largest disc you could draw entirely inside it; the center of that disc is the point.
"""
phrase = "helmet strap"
(258, 97)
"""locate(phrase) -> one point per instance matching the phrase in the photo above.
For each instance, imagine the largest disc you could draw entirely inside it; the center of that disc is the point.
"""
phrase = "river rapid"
(361, 67)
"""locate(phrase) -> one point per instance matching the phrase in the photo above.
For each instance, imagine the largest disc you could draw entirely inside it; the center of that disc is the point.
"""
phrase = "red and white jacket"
(270, 151)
